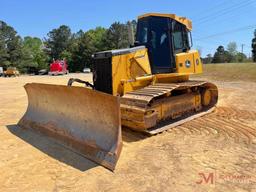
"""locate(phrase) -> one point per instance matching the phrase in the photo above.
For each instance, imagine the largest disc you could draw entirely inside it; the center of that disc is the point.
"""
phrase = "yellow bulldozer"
(145, 88)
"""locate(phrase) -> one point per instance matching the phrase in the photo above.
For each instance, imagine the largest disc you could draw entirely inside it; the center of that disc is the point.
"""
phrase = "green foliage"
(116, 36)
(58, 41)
(232, 48)
(33, 56)
(207, 59)
(231, 55)
(10, 46)
(97, 36)
(222, 56)
(86, 44)
(83, 52)
(240, 57)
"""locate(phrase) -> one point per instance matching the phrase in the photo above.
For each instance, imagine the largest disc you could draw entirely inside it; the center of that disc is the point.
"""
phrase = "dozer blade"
(86, 121)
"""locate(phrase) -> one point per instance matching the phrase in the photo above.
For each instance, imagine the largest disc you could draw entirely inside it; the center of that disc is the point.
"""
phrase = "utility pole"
(242, 48)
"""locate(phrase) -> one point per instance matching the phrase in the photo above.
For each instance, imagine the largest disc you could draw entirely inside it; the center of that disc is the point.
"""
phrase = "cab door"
(159, 46)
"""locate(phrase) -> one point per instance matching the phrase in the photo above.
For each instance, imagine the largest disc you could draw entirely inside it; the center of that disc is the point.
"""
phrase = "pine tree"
(254, 47)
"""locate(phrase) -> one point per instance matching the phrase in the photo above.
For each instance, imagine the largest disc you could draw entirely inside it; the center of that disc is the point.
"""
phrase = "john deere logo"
(197, 61)
(187, 63)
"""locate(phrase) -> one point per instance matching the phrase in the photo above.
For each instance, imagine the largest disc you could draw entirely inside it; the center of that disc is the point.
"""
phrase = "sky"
(214, 22)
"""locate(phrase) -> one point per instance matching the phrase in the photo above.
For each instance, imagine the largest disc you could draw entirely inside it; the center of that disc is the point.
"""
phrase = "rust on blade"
(82, 119)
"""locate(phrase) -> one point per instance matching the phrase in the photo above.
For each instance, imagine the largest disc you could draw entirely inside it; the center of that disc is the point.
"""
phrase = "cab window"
(142, 33)
(177, 40)
(180, 37)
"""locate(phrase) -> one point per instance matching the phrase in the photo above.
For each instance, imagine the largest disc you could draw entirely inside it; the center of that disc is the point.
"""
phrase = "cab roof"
(182, 20)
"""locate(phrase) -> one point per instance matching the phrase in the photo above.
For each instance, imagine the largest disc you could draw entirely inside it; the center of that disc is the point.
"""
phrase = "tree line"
(228, 55)
(31, 54)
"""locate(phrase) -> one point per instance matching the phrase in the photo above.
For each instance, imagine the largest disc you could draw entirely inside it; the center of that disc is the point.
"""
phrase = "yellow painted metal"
(141, 59)
(197, 63)
(171, 77)
(206, 97)
(71, 116)
(188, 62)
(185, 63)
(130, 71)
(183, 20)
(174, 107)
(143, 78)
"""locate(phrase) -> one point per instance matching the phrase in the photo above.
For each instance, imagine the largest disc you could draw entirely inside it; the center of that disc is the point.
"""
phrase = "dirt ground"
(214, 153)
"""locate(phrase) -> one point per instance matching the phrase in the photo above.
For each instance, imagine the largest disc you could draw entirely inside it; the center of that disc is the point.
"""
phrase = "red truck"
(58, 67)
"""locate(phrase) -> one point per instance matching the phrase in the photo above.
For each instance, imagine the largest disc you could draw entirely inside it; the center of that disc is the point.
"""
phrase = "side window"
(177, 40)
(142, 31)
(144, 35)
(186, 38)
(180, 36)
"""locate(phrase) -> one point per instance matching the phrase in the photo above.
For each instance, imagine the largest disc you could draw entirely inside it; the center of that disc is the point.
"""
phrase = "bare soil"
(220, 147)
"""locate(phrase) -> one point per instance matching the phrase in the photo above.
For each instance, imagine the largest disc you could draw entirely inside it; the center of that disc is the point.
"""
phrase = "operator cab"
(164, 35)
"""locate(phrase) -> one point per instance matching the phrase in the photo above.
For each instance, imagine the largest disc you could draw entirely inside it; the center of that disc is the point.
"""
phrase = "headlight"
(187, 63)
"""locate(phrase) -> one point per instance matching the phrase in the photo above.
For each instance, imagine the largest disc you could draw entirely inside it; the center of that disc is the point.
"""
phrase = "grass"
(230, 72)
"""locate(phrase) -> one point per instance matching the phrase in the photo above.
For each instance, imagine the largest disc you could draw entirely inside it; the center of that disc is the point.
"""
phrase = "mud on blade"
(85, 120)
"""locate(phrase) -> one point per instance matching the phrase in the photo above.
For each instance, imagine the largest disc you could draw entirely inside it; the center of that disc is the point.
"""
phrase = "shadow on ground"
(51, 148)
(129, 135)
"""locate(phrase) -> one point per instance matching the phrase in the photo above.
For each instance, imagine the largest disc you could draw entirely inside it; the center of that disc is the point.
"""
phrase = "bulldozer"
(145, 87)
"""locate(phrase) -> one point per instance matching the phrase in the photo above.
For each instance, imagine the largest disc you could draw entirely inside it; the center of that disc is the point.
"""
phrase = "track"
(140, 109)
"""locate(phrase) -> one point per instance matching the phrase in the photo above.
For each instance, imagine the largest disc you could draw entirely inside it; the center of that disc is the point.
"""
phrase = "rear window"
(142, 33)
